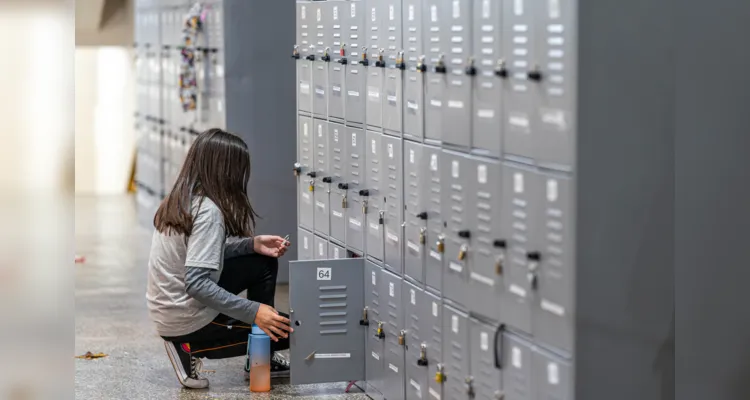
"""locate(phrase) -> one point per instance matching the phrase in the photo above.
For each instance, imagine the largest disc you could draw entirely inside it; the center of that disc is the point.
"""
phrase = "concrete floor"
(111, 318)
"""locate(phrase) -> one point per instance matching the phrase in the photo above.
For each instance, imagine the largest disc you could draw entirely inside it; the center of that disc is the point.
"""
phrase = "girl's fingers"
(279, 332)
(271, 335)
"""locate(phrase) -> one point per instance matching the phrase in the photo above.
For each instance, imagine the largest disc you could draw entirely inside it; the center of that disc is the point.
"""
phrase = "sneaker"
(279, 367)
(186, 367)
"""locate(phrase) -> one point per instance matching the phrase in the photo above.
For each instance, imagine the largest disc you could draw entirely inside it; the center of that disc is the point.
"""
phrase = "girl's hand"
(269, 245)
(273, 324)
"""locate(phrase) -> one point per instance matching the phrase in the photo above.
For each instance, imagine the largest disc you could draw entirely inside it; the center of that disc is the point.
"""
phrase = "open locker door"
(326, 302)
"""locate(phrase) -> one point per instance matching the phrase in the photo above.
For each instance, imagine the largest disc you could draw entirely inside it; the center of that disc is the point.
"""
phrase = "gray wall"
(260, 98)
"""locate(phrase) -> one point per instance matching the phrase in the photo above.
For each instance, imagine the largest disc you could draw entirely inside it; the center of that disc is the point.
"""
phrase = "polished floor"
(111, 318)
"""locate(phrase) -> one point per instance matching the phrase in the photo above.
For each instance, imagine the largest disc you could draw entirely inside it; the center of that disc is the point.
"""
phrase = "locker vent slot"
(330, 299)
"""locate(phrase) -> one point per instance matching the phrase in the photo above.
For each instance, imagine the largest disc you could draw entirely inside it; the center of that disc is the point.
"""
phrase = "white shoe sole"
(182, 376)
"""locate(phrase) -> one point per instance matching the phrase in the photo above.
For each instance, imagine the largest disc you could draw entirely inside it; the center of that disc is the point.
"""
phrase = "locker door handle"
(534, 75)
(327, 179)
(440, 67)
(364, 192)
(533, 256)
(499, 347)
(312, 174)
(343, 186)
(499, 243)
(310, 57)
(465, 234)
(422, 215)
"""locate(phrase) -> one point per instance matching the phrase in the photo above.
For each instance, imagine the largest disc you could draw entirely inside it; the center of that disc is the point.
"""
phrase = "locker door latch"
(422, 361)
(295, 52)
(422, 235)
(364, 321)
(471, 70)
(422, 215)
(327, 179)
(297, 169)
(440, 66)
(421, 66)
(440, 375)
(500, 260)
(501, 70)
(470, 386)
(326, 55)
(311, 56)
(402, 338)
(400, 61)
(380, 333)
(342, 53)
(381, 61)
(533, 258)
(381, 217)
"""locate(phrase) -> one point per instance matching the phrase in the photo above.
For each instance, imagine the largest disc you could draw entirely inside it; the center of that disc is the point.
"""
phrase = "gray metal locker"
(393, 189)
(488, 248)
(456, 31)
(415, 214)
(306, 165)
(393, 102)
(487, 49)
(375, 318)
(413, 34)
(322, 178)
(456, 115)
(355, 181)
(356, 73)
(521, 194)
(374, 104)
(413, 104)
(434, 12)
(393, 377)
(485, 370)
(326, 320)
(456, 353)
(305, 40)
(214, 24)
(517, 379)
(376, 57)
(487, 114)
(339, 30)
(303, 28)
(320, 88)
(320, 248)
(305, 245)
(338, 163)
(435, 91)
(555, 119)
(335, 251)
(431, 203)
(455, 171)
(304, 86)
(415, 369)
(373, 194)
(552, 377)
(433, 326)
(392, 31)
(322, 52)
(553, 318)
(336, 90)
(520, 96)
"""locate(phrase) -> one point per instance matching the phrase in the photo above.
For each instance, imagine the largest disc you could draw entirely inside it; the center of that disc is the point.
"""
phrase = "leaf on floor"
(91, 356)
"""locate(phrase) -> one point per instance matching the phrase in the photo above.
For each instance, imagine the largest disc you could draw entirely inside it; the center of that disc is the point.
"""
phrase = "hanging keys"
(402, 337)
(439, 375)
(379, 333)
(469, 386)
(441, 244)
(422, 361)
(462, 252)
(422, 235)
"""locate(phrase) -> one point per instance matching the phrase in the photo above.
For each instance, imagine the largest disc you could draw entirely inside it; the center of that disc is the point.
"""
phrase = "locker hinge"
(440, 375)
(364, 321)
(470, 386)
(380, 333)
(422, 361)
(402, 338)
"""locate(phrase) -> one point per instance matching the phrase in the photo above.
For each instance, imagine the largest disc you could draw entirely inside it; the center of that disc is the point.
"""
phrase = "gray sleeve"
(238, 246)
(205, 246)
(199, 285)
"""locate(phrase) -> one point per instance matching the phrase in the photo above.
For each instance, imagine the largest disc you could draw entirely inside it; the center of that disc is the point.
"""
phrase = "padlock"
(421, 67)
(440, 66)
(400, 60)
(422, 361)
(439, 375)
(499, 264)
(471, 70)
(500, 69)
(312, 185)
(364, 206)
(295, 52)
(380, 62)
(342, 50)
(462, 252)
(297, 169)
(326, 55)
(381, 217)
(422, 235)
(364, 321)
(364, 60)
(379, 333)
(344, 202)
(469, 386)
(533, 280)
(441, 244)
(402, 338)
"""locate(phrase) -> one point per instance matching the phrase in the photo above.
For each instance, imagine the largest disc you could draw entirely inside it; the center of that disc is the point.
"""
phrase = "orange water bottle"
(259, 354)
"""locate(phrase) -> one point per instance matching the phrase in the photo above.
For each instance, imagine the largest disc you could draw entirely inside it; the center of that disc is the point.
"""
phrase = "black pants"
(225, 337)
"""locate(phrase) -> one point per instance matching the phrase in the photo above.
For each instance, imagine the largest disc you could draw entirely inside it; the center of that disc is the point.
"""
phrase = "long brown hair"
(217, 166)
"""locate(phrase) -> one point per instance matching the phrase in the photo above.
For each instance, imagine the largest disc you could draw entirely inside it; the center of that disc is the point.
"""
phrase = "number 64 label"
(324, 274)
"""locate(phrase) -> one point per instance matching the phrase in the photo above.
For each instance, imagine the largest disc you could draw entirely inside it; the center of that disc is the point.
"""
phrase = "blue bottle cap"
(257, 331)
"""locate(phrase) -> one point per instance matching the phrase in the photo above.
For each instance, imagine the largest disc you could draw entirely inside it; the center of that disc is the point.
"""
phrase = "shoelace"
(197, 367)
(280, 360)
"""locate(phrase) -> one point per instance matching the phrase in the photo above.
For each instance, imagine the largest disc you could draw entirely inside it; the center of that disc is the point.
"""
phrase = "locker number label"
(335, 13)
(433, 13)
(372, 14)
(485, 9)
(336, 253)
(391, 12)
(320, 249)
(304, 243)
(324, 274)
(354, 140)
(551, 190)
(454, 323)
(516, 358)
(303, 11)
(336, 135)
(354, 10)
(518, 182)
(304, 129)
(518, 7)
(390, 150)
(434, 309)
(317, 15)
(413, 296)
(456, 9)
(553, 374)
(374, 278)
(484, 341)
(553, 7)
(434, 162)
(374, 146)
(454, 169)
(411, 156)
(320, 130)
(391, 289)
(411, 12)
(482, 174)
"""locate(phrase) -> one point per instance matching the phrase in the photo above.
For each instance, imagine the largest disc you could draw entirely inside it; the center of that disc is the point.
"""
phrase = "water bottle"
(259, 354)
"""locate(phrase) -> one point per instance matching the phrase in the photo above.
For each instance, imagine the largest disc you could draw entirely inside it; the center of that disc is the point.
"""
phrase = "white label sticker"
(355, 222)
(320, 250)
(374, 278)
(434, 254)
(454, 323)
(374, 147)
(434, 309)
(455, 104)
(485, 9)
(393, 367)
(373, 15)
(375, 355)
(551, 190)
(333, 355)
(353, 93)
(489, 114)
(413, 246)
(354, 140)
(517, 290)
(390, 150)
(549, 306)
(411, 156)
(482, 174)
(391, 289)
(335, 13)
(391, 12)
(484, 341)
(553, 374)
(413, 296)
(454, 169)
(324, 274)
(456, 9)
(516, 357)
(518, 182)
(554, 9)
(433, 162)
(304, 12)
(518, 7)
(320, 130)
(304, 129)
(354, 10)
(304, 243)
(411, 12)
(412, 105)
(317, 14)
(336, 253)
(392, 237)
(416, 387)
(434, 394)
(433, 13)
